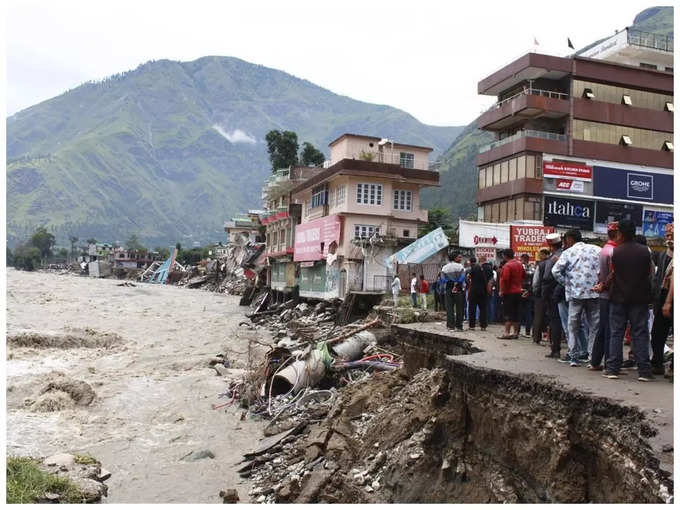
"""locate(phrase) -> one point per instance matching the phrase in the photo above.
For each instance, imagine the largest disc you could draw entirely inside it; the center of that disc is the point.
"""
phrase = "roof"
(358, 166)
(375, 138)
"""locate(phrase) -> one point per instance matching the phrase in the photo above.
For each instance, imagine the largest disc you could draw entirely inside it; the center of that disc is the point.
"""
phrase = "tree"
(163, 253)
(133, 244)
(311, 156)
(91, 240)
(62, 253)
(10, 258)
(43, 241)
(27, 257)
(282, 148)
(73, 240)
(438, 217)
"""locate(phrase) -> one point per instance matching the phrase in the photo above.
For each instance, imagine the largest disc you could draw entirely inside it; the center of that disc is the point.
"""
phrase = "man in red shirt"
(511, 280)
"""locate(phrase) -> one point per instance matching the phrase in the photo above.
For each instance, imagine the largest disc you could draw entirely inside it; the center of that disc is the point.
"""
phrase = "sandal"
(506, 337)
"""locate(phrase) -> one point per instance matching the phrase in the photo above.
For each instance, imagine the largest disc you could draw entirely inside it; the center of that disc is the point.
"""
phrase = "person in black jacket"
(477, 294)
(540, 303)
(662, 325)
(549, 286)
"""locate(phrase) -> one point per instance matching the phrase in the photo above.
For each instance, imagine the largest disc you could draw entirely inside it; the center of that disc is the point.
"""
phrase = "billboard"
(654, 222)
(420, 249)
(567, 170)
(633, 185)
(528, 239)
(476, 234)
(568, 186)
(313, 239)
(616, 211)
(569, 212)
(484, 254)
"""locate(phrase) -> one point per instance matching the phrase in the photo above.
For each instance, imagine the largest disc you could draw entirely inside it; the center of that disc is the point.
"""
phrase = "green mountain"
(171, 150)
(458, 174)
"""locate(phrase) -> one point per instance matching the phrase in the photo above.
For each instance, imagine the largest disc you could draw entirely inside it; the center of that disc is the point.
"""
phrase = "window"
(406, 159)
(521, 167)
(402, 200)
(647, 66)
(320, 195)
(504, 171)
(340, 195)
(513, 169)
(625, 99)
(482, 178)
(369, 194)
(531, 166)
(365, 231)
(406, 233)
(669, 69)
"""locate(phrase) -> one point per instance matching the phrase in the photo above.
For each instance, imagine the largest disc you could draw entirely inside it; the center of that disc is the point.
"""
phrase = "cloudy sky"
(424, 56)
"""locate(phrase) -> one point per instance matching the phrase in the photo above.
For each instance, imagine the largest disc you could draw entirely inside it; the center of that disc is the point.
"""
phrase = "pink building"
(356, 212)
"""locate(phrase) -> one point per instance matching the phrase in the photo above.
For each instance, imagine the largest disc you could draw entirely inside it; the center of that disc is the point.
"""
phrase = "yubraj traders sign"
(528, 239)
(312, 239)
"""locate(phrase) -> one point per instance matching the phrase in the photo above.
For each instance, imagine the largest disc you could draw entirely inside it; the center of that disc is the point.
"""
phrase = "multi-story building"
(581, 140)
(244, 228)
(356, 212)
(280, 220)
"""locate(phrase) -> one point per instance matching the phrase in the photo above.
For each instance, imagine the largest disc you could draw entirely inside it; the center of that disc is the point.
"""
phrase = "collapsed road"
(445, 418)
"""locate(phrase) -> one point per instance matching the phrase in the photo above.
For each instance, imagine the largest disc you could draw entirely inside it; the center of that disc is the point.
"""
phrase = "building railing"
(529, 92)
(525, 133)
(650, 40)
(389, 157)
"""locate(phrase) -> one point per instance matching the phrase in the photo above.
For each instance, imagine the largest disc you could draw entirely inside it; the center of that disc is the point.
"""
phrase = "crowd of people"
(591, 299)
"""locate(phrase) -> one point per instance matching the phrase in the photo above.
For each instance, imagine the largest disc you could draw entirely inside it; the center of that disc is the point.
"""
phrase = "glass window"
(369, 194)
(531, 166)
(519, 208)
(320, 195)
(496, 174)
(503, 217)
(513, 170)
(402, 200)
(521, 167)
(487, 213)
(340, 195)
(482, 178)
(365, 231)
(511, 209)
(504, 171)
(489, 176)
(406, 159)
(495, 212)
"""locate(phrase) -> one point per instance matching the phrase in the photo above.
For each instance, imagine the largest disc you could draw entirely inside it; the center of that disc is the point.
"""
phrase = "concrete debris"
(87, 477)
(229, 496)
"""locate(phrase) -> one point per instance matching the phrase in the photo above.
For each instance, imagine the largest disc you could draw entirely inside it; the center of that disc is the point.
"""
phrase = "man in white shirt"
(414, 290)
(396, 287)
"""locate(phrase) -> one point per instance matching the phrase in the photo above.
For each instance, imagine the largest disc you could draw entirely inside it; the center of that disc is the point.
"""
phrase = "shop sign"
(633, 185)
(528, 239)
(476, 234)
(313, 239)
(567, 170)
(617, 211)
(484, 254)
(568, 212)
(654, 222)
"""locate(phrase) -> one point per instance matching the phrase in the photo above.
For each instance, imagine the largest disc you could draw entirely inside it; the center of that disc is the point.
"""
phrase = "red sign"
(570, 185)
(528, 239)
(561, 169)
(312, 239)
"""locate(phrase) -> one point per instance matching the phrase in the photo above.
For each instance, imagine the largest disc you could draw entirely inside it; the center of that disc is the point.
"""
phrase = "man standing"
(512, 276)
(577, 270)
(526, 304)
(662, 324)
(477, 295)
(414, 291)
(601, 345)
(548, 285)
(396, 287)
(454, 272)
(539, 301)
(631, 293)
(424, 291)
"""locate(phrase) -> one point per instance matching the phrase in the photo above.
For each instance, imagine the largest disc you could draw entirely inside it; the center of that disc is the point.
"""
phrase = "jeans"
(619, 315)
(582, 311)
(414, 299)
(423, 300)
(660, 328)
(601, 345)
(395, 296)
(526, 314)
(475, 302)
(492, 308)
(454, 307)
(563, 308)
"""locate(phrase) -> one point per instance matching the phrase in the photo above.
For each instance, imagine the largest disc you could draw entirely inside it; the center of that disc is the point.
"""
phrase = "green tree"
(43, 241)
(62, 253)
(163, 253)
(133, 244)
(10, 258)
(179, 247)
(27, 257)
(73, 240)
(311, 156)
(438, 217)
(91, 240)
(282, 148)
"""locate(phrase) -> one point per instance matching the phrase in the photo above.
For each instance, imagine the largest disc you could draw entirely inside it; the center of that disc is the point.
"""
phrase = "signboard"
(528, 239)
(312, 239)
(420, 249)
(617, 211)
(568, 212)
(475, 234)
(654, 222)
(567, 170)
(568, 186)
(633, 185)
(484, 254)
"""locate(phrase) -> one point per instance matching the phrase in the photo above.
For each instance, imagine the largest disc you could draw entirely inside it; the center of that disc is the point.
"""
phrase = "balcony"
(528, 104)
(525, 140)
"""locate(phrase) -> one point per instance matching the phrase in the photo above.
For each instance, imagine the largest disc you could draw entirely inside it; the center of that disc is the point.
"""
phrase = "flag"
(570, 44)
(535, 42)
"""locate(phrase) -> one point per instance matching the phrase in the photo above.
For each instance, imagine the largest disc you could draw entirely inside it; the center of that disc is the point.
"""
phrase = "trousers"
(474, 303)
(619, 315)
(454, 307)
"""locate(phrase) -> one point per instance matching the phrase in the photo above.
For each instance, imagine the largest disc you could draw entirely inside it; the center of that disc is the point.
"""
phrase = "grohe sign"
(633, 185)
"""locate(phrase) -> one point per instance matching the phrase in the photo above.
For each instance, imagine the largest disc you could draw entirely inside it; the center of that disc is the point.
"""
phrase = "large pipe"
(353, 348)
(299, 375)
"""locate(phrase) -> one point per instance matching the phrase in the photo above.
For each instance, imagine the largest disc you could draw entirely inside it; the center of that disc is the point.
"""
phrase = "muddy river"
(144, 350)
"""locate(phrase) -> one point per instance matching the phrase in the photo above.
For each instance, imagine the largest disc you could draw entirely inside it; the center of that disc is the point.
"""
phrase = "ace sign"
(528, 239)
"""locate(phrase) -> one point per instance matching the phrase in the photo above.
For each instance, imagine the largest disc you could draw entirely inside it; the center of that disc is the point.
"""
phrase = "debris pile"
(85, 472)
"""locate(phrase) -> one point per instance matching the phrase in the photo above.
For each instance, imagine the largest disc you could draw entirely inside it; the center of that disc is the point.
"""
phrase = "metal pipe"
(299, 375)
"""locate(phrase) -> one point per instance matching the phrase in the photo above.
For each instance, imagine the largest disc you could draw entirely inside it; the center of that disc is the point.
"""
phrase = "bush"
(27, 483)
(27, 257)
